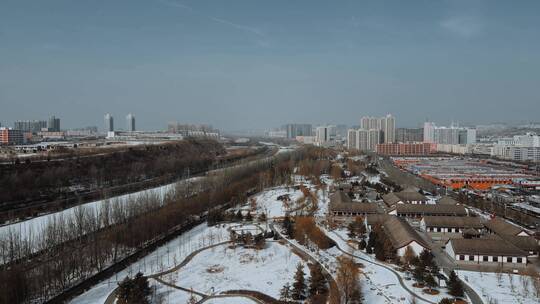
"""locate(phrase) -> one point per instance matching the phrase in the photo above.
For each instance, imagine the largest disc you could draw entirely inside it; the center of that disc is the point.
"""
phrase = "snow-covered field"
(382, 285)
(33, 228)
(221, 268)
(230, 300)
(509, 288)
(163, 258)
(267, 201)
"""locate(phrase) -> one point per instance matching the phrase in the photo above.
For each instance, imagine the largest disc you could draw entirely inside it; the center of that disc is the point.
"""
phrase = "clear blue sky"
(258, 64)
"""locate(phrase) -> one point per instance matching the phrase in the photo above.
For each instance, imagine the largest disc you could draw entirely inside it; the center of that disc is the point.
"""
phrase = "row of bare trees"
(32, 181)
(71, 249)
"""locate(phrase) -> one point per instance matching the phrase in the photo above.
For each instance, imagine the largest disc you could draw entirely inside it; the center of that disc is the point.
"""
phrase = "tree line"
(103, 237)
(46, 181)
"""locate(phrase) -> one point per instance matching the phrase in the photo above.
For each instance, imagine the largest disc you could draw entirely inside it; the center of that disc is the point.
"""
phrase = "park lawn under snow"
(267, 201)
(494, 291)
(161, 259)
(230, 300)
(221, 269)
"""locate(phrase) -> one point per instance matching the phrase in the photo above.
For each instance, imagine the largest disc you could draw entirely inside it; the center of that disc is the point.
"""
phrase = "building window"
(518, 260)
(495, 259)
(485, 258)
(471, 258)
(461, 258)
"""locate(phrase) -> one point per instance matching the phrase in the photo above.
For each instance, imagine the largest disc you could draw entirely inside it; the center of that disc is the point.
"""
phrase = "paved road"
(400, 279)
(231, 295)
(331, 280)
(112, 296)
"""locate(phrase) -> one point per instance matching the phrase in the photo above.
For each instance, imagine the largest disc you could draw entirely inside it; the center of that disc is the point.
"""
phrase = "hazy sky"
(259, 64)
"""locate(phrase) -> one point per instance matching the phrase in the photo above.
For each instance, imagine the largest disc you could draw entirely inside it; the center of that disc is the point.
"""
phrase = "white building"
(449, 135)
(485, 252)
(520, 147)
(130, 122)
(325, 135)
(109, 123)
(386, 125)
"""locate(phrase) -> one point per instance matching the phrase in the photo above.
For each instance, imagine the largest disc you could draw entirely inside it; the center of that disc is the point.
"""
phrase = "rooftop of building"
(401, 233)
(453, 221)
(490, 247)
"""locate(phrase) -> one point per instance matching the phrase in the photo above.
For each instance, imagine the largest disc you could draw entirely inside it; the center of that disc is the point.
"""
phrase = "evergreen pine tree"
(288, 226)
(455, 286)
(430, 281)
(419, 274)
(299, 285)
(285, 292)
(134, 291)
(239, 215)
(362, 245)
(317, 282)
(371, 241)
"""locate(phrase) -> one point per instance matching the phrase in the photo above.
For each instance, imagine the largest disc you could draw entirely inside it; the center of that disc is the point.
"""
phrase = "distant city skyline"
(252, 65)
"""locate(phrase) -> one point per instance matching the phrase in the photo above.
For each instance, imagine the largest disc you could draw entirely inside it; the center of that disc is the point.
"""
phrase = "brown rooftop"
(453, 221)
(341, 202)
(525, 243)
(340, 197)
(410, 195)
(422, 209)
(502, 227)
(401, 233)
(374, 219)
(390, 199)
(447, 200)
(490, 247)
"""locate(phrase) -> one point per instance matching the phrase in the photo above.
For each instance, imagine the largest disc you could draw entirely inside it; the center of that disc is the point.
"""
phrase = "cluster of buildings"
(457, 173)
(109, 123)
(193, 130)
(372, 132)
(413, 221)
(453, 135)
(292, 131)
(24, 130)
(520, 148)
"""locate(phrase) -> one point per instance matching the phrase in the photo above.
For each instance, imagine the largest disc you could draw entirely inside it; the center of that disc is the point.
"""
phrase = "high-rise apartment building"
(448, 135)
(359, 139)
(409, 135)
(130, 122)
(373, 139)
(386, 125)
(54, 124)
(33, 126)
(325, 135)
(368, 122)
(109, 123)
(294, 130)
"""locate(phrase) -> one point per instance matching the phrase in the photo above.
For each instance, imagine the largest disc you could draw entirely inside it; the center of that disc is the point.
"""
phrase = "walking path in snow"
(400, 279)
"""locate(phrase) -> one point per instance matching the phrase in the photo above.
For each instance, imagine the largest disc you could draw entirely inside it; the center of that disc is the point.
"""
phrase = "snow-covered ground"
(509, 288)
(230, 300)
(221, 269)
(382, 285)
(34, 227)
(267, 201)
(163, 258)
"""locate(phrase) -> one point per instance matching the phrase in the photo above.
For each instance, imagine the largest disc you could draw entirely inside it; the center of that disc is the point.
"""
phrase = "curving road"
(400, 279)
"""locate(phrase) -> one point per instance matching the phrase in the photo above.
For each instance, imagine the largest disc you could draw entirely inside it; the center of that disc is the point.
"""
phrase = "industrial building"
(457, 173)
